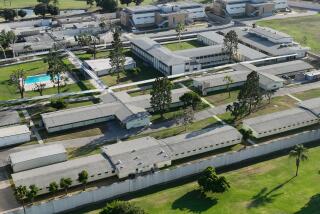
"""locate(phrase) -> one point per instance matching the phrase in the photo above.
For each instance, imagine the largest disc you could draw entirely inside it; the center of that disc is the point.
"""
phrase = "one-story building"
(103, 67)
(8, 118)
(13, 135)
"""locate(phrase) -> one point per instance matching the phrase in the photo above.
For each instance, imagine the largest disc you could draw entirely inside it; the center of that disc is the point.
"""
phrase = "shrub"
(58, 103)
(123, 207)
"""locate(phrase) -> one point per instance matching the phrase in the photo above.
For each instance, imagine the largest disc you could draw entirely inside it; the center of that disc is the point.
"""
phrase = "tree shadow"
(194, 202)
(313, 206)
(265, 197)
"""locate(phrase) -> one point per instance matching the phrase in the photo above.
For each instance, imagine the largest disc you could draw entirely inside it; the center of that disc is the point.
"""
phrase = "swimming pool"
(36, 79)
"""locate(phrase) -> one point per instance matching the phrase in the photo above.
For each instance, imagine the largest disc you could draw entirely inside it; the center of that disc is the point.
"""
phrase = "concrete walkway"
(32, 126)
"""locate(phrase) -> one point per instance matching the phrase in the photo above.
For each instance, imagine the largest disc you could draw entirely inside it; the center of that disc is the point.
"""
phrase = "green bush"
(58, 103)
(123, 207)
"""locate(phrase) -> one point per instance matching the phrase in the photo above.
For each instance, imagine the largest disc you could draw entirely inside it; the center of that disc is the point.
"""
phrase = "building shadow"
(194, 202)
(266, 196)
(313, 206)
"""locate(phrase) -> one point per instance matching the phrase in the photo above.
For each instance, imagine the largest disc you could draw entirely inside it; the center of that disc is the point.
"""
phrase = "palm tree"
(21, 194)
(246, 134)
(83, 178)
(65, 183)
(32, 193)
(179, 29)
(228, 81)
(56, 68)
(53, 187)
(300, 154)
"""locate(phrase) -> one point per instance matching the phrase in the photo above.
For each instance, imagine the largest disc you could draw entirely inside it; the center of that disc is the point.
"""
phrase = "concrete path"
(32, 126)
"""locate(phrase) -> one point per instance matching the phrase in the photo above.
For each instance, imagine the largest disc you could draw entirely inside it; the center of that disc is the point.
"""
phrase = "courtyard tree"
(190, 98)
(299, 152)
(22, 13)
(187, 117)
(6, 39)
(209, 181)
(250, 93)
(90, 3)
(21, 193)
(123, 207)
(53, 188)
(32, 192)
(137, 2)
(117, 57)
(246, 134)
(127, 2)
(269, 94)
(230, 44)
(228, 80)
(9, 14)
(83, 178)
(237, 109)
(65, 183)
(161, 95)
(41, 9)
(179, 29)
(18, 79)
(56, 68)
(109, 6)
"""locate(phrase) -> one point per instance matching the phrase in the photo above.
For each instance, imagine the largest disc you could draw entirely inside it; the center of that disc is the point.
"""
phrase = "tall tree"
(161, 95)
(179, 29)
(39, 87)
(6, 39)
(107, 5)
(250, 92)
(269, 94)
(237, 109)
(121, 207)
(9, 14)
(32, 192)
(83, 178)
(209, 181)
(246, 134)
(41, 9)
(190, 98)
(228, 81)
(18, 79)
(56, 68)
(117, 57)
(65, 183)
(230, 44)
(21, 194)
(12, 38)
(137, 2)
(53, 188)
(299, 152)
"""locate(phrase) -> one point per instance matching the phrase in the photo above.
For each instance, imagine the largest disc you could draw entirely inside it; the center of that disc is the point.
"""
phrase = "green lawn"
(183, 45)
(300, 28)
(63, 4)
(220, 98)
(306, 95)
(9, 91)
(266, 187)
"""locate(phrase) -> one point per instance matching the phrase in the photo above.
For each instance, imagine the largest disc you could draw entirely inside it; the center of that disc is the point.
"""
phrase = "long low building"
(131, 158)
(198, 142)
(13, 135)
(37, 157)
(313, 105)
(97, 166)
(279, 122)
(137, 156)
(8, 118)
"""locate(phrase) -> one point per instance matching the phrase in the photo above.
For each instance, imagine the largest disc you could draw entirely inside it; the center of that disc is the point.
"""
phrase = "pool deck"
(49, 84)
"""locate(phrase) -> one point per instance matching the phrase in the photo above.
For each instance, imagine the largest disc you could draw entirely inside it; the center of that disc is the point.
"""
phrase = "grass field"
(183, 45)
(220, 98)
(313, 93)
(266, 187)
(63, 4)
(9, 91)
(300, 28)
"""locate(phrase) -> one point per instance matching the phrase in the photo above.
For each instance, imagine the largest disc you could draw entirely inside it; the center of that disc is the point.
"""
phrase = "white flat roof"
(14, 130)
(41, 151)
(104, 64)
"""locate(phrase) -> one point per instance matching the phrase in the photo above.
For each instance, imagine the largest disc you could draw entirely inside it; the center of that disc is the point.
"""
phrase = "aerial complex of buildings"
(129, 146)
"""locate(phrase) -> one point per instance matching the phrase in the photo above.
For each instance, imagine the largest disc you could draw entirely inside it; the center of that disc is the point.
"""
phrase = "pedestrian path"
(32, 126)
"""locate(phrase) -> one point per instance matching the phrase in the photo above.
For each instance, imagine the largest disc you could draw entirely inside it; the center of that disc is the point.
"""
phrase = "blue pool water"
(36, 79)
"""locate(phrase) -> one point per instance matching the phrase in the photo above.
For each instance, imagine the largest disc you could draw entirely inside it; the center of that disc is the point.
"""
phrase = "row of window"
(289, 126)
(207, 147)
